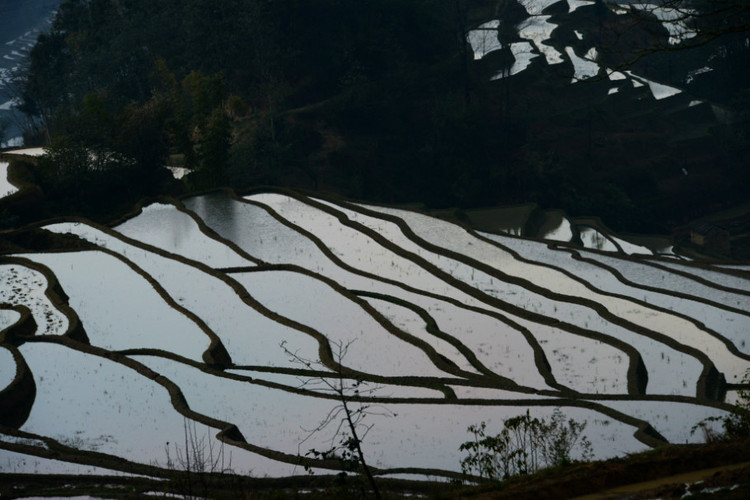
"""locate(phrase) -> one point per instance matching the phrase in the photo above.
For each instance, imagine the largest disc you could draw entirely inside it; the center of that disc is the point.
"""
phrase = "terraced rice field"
(181, 322)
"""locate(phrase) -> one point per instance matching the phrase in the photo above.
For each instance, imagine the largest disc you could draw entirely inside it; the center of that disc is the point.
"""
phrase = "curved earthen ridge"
(176, 397)
(635, 377)
(460, 218)
(709, 368)
(17, 399)
(228, 432)
(231, 435)
(539, 357)
(707, 375)
(25, 326)
(710, 381)
(324, 350)
(731, 346)
(214, 235)
(432, 327)
(699, 279)
(655, 260)
(180, 206)
(54, 450)
(216, 354)
(658, 262)
(56, 296)
(710, 384)
(438, 360)
(438, 384)
(637, 373)
(577, 255)
(26, 194)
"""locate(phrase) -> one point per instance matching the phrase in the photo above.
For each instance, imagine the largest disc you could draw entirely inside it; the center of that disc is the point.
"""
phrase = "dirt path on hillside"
(659, 473)
(675, 486)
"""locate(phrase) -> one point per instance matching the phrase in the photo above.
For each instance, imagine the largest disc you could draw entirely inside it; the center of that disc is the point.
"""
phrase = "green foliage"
(70, 167)
(91, 181)
(345, 452)
(256, 161)
(141, 135)
(213, 146)
(112, 46)
(735, 425)
(236, 106)
(524, 446)
(202, 94)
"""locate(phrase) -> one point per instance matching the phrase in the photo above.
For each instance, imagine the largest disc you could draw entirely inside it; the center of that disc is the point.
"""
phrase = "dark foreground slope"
(720, 471)
(717, 470)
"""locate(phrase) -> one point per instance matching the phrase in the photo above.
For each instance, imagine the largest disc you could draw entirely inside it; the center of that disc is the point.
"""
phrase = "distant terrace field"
(186, 313)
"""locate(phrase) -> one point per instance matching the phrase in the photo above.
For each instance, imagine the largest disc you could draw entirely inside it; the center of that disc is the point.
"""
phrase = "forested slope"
(387, 101)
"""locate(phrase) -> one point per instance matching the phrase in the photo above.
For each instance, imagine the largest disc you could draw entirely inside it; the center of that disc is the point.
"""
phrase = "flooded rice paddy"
(231, 320)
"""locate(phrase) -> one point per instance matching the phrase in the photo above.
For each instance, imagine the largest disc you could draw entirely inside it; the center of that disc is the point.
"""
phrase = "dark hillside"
(716, 471)
(386, 101)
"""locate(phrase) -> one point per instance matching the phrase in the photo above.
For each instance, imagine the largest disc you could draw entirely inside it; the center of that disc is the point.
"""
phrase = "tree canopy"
(381, 99)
